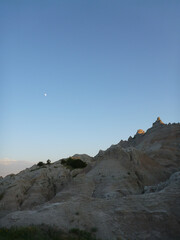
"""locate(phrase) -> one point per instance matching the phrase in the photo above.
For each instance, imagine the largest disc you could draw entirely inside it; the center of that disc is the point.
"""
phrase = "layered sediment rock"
(129, 191)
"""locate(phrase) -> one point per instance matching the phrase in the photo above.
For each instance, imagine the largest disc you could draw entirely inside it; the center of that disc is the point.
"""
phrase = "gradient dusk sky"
(108, 67)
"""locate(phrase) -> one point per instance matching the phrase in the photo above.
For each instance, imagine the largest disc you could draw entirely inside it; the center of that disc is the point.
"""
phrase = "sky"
(108, 67)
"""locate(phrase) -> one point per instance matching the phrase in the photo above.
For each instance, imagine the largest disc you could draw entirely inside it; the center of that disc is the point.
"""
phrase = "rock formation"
(130, 191)
(140, 131)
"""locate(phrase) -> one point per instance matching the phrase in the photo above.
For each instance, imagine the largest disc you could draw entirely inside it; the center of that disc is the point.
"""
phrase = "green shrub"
(63, 161)
(81, 234)
(40, 164)
(48, 162)
(1, 196)
(73, 163)
(94, 229)
(43, 232)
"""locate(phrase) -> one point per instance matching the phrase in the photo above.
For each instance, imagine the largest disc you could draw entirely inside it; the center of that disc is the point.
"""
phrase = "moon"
(45, 94)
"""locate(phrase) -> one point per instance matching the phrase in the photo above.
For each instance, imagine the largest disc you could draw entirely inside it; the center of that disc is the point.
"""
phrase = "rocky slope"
(129, 191)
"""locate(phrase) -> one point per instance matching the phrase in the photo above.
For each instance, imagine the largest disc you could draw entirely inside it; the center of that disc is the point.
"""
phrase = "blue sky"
(108, 68)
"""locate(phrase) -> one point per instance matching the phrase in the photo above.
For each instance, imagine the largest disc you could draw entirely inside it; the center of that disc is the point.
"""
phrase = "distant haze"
(8, 166)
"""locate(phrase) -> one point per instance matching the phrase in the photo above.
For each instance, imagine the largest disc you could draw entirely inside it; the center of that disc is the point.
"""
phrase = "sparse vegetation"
(94, 229)
(40, 164)
(73, 163)
(81, 234)
(43, 232)
(48, 162)
(1, 196)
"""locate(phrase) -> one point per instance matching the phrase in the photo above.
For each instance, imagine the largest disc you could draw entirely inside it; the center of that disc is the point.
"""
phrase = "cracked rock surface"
(130, 191)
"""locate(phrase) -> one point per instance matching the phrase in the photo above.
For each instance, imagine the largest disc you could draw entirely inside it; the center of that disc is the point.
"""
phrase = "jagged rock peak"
(158, 122)
(140, 132)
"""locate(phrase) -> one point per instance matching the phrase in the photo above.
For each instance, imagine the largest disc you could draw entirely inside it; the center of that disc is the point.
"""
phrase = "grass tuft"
(43, 232)
(1, 196)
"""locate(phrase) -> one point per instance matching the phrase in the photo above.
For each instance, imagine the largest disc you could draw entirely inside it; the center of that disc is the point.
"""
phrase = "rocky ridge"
(129, 191)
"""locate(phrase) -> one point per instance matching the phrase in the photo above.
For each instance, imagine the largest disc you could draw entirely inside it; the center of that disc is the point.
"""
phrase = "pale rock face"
(130, 191)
